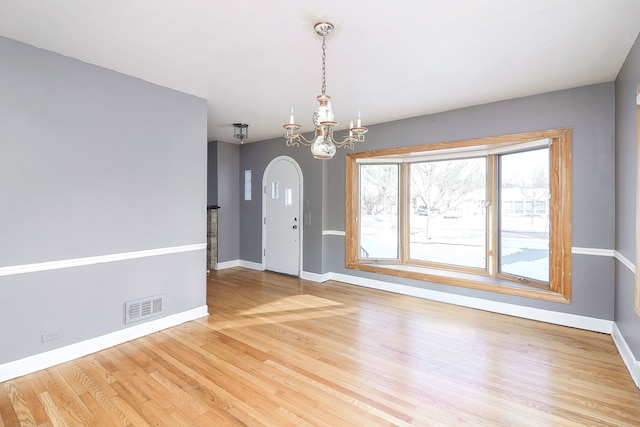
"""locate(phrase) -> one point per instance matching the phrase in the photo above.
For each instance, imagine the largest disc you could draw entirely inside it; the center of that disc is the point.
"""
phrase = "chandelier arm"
(305, 141)
(291, 142)
(298, 138)
(345, 142)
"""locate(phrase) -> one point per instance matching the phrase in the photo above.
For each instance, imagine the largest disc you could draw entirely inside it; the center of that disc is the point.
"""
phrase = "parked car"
(422, 210)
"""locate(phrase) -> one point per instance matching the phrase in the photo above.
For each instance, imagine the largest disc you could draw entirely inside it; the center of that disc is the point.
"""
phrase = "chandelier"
(323, 145)
(240, 131)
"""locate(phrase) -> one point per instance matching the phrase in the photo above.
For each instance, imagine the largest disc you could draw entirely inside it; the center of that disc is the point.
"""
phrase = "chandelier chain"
(324, 68)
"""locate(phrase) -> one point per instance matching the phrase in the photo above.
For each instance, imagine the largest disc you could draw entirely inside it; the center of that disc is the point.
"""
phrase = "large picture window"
(490, 213)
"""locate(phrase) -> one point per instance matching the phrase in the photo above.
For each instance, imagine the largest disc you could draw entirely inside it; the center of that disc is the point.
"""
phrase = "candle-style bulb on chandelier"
(323, 145)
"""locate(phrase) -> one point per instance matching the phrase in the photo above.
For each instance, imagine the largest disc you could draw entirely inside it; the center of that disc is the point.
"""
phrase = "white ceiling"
(253, 59)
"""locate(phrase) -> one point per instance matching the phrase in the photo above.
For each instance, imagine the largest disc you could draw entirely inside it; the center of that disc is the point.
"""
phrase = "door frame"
(300, 207)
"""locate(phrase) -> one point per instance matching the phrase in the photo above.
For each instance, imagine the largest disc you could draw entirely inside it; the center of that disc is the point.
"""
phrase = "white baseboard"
(632, 364)
(227, 264)
(239, 263)
(47, 359)
(564, 319)
(315, 277)
(252, 265)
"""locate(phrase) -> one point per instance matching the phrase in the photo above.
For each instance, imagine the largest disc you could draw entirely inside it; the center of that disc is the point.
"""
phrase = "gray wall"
(626, 168)
(228, 159)
(589, 111)
(212, 173)
(93, 162)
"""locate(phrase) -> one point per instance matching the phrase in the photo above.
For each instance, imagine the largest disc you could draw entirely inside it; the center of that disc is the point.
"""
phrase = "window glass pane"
(247, 184)
(524, 231)
(288, 196)
(447, 220)
(378, 211)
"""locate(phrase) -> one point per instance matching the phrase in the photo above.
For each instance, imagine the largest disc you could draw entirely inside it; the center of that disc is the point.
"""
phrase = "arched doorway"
(282, 216)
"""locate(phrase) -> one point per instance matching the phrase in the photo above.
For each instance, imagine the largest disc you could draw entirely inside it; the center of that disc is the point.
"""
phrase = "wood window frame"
(559, 289)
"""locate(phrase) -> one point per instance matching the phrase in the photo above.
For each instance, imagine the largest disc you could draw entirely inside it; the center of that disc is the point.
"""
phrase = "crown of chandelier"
(323, 145)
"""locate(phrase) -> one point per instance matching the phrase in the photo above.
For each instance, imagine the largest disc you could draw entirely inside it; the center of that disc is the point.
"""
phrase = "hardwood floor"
(277, 351)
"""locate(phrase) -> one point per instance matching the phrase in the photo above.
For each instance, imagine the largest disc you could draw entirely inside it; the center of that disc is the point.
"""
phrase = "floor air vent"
(137, 310)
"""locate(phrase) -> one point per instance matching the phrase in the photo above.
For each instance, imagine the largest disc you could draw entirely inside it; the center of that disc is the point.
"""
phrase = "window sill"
(454, 278)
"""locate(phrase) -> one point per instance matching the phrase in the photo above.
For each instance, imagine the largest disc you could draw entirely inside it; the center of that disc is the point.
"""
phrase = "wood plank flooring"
(279, 351)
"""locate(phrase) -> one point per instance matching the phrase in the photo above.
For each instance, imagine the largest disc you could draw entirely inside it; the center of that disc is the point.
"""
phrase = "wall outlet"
(50, 336)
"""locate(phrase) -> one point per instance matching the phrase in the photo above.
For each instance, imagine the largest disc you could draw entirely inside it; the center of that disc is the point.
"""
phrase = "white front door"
(282, 225)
